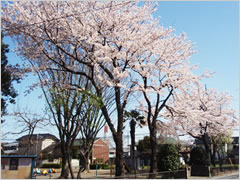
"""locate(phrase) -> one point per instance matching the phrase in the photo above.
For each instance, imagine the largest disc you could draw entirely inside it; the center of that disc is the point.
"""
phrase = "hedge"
(100, 166)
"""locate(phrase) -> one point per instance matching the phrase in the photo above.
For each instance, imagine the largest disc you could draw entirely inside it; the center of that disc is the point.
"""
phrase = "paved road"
(232, 176)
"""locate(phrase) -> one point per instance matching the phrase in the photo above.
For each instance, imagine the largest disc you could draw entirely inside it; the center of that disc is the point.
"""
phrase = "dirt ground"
(92, 174)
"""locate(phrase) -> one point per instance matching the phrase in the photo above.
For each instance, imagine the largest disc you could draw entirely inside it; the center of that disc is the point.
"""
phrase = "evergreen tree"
(8, 93)
(168, 157)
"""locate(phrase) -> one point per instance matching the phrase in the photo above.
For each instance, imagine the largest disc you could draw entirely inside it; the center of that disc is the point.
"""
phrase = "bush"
(198, 156)
(100, 166)
(167, 158)
(51, 165)
(50, 157)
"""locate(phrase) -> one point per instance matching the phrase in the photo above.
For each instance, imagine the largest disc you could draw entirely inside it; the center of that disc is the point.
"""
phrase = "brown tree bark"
(132, 132)
(153, 158)
(119, 157)
(64, 170)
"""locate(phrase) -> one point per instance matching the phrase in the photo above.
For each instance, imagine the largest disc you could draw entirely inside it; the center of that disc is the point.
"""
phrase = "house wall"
(100, 150)
(23, 172)
(37, 146)
(10, 148)
(46, 143)
(32, 150)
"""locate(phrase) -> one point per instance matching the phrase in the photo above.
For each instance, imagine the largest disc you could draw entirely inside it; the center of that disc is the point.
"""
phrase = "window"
(13, 164)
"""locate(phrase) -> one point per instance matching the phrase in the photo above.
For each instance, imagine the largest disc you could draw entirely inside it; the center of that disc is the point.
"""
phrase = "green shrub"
(51, 165)
(50, 157)
(198, 156)
(107, 167)
(167, 158)
(75, 152)
(100, 166)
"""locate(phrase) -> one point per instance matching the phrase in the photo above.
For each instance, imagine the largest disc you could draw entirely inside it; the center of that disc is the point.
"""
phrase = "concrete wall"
(23, 172)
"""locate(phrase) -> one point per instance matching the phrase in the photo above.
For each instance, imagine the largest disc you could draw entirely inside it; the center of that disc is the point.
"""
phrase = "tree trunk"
(117, 135)
(69, 159)
(132, 132)
(153, 159)
(83, 163)
(87, 162)
(213, 157)
(208, 149)
(220, 159)
(65, 170)
(119, 157)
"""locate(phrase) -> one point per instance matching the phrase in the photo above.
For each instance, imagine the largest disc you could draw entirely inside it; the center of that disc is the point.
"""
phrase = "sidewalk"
(214, 177)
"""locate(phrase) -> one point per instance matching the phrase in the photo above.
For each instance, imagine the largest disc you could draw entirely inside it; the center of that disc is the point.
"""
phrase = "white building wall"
(46, 143)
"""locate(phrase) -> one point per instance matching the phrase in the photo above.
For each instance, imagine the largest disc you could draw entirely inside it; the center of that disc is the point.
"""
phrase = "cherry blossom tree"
(117, 46)
(203, 114)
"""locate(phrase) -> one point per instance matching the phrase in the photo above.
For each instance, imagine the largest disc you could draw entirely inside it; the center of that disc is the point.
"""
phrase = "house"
(231, 149)
(234, 154)
(52, 151)
(128, 157)
(36, 145)
(17, 166)
(10, 148)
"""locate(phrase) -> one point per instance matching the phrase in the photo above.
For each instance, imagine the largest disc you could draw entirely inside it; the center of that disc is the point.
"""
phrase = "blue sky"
(212, 26)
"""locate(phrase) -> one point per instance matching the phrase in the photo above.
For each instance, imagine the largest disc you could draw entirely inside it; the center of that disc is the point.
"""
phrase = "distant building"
(231, 149)
(54, 151)
(234, 155)
(112, 153)
(36, 144)
(17, 166)
(10, 148)
(100, 150)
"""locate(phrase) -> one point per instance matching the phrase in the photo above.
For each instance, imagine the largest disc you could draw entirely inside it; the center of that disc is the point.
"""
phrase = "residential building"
(232, 150)
(234, 154)
(10, 148)
(52, 151)
(33, 145)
